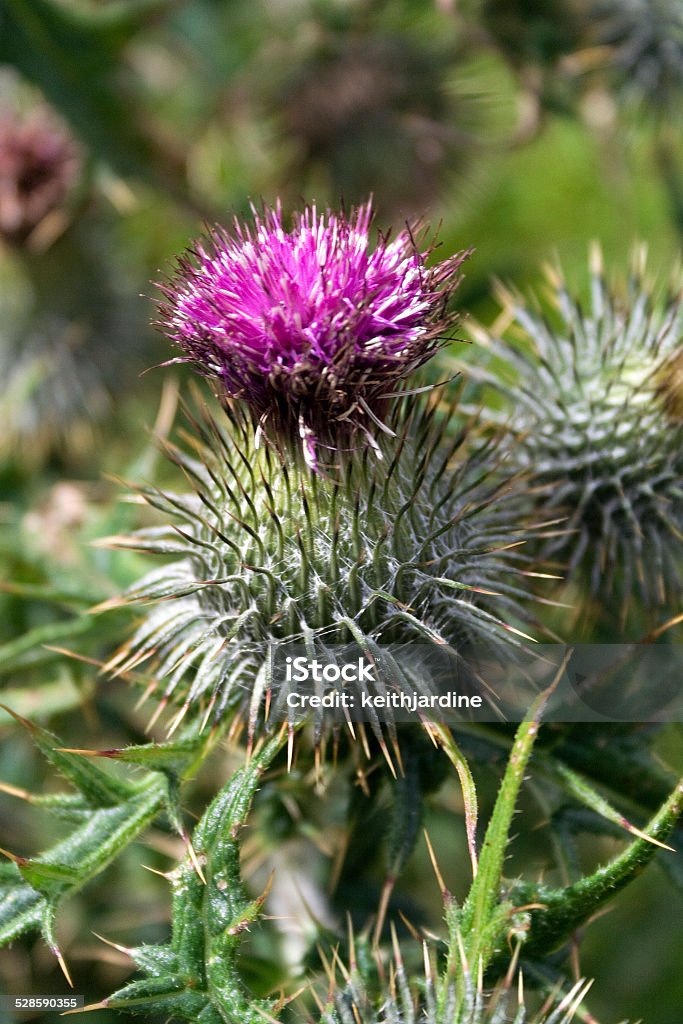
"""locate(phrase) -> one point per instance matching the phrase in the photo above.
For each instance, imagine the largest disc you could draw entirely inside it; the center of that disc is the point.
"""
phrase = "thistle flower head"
(313, 328)
(38, 166)
(592, 397)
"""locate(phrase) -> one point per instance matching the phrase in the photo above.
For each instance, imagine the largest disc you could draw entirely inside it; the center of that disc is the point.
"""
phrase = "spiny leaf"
(624, 766)
(174, 758)
(581, 790)
(107, 814)
(196, 976)
(562, 911)
(98, 788)
(71, 863)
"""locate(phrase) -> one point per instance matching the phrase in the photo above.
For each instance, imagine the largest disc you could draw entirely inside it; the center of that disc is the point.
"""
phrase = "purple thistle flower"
(39, 165)
(313, 328)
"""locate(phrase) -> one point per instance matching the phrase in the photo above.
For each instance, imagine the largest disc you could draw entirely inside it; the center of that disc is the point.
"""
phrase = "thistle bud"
(591, 393)
(432, 999)
(642, 46)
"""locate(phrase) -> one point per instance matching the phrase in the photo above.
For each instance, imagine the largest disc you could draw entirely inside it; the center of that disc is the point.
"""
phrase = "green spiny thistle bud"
(641, 43)
(591, 417)
(419, 546)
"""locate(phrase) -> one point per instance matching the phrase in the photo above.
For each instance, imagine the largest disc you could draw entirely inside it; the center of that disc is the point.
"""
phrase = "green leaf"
(98, 788)
(42, 883)
(585, 794)
(477, 931)
(618, 759)
(107, 814)
(173, 760)
(20, 905)
(176, 758)
(196, 976)
(444, 737)
(562, 911)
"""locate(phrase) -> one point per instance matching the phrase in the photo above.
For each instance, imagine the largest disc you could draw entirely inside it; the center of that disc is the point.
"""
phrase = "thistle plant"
(639, 44)
(64, 325)
(380, 109)
(590, 393)
(197, 974)
(333, 504)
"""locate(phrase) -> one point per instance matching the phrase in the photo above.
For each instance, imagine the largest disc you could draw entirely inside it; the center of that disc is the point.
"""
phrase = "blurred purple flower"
(39, 164)
(313, 328)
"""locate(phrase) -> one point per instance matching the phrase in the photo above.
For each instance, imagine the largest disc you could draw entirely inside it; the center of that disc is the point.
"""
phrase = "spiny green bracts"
(591, 416)
(417, 547)
(353, 1005)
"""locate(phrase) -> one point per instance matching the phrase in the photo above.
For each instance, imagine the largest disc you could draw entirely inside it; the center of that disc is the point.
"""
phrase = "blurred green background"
(525, 129)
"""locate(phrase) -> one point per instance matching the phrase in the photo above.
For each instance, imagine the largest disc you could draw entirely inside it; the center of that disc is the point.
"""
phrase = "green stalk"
(475, 932)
